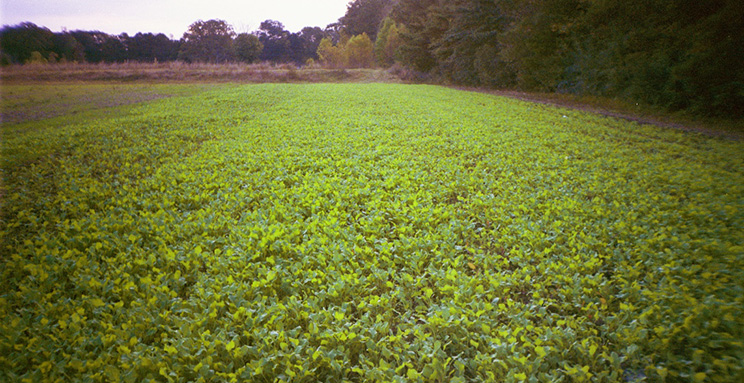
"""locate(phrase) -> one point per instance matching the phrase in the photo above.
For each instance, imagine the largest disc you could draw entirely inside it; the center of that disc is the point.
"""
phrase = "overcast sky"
(171, 17)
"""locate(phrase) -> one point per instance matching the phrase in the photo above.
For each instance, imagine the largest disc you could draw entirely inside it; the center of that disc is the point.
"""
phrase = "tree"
(36, 59)
(673, 54)
(113, 49)
(296, 49)
(247, 47)
(19, 42)
(310, 37)
(208, 41)
(468, 51)
(93, 44)
(331, 55)
(679, 55)
(275, 40)
(424, 22)
(334, 32)
(539, 43)
(709, 78)
(360, 52)
(388, 43)
(67, 48)
(365, 16)
(148, 47)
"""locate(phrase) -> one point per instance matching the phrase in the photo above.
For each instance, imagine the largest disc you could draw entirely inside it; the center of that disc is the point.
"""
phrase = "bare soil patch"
(43, 101)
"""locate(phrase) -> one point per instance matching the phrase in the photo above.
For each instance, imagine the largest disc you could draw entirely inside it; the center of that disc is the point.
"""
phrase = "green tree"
(365, 16)
(331, 55)
(538, 43)
(308, 40)
(709, 78)
(148, 47)
(425, 22)
(21, 41)
(36, 59)
(670, 53)
(208, 41)
(247, 47)
(662, 52)
(113, 49)
(93, 43)
(360, 52)
(276, 41)
(388, 43)
(67, 48)
(468, 51)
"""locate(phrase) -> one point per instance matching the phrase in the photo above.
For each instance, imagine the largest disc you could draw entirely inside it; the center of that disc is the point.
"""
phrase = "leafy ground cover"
(367, 232)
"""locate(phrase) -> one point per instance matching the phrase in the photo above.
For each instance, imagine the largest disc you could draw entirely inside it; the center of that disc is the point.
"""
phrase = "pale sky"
(171, 17)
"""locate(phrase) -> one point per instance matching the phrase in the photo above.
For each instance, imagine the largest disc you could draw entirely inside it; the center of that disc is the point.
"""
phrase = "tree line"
(212, 41)
(29, 43)
(346, 43)
(677, 54)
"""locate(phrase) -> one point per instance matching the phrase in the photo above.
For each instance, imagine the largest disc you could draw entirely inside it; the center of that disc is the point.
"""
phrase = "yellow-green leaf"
(97, 302)
(540, 351)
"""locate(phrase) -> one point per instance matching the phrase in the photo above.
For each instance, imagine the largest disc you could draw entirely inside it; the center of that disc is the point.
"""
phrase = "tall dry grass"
(186, 72)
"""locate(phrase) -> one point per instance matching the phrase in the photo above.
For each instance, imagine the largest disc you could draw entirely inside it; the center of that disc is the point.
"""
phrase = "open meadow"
(361, 233)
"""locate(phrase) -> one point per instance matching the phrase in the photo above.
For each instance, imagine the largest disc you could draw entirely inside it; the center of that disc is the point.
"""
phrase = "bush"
(36, 59)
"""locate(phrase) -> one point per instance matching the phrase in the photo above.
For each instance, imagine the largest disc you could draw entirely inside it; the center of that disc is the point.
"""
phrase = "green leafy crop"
(368, 232)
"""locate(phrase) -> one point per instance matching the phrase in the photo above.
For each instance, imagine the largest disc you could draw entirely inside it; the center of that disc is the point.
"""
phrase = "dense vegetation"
(362, 233)
(668, 53)
(212, 41)
(671, 53)
(29, 43)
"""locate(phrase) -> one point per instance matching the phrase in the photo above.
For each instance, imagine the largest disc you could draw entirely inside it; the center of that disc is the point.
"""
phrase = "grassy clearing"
(331, 232)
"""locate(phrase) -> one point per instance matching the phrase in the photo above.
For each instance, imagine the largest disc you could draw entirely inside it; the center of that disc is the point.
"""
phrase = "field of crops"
(363, 232)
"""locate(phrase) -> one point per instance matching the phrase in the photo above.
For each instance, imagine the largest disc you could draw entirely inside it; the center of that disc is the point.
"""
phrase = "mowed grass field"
(361, 233)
